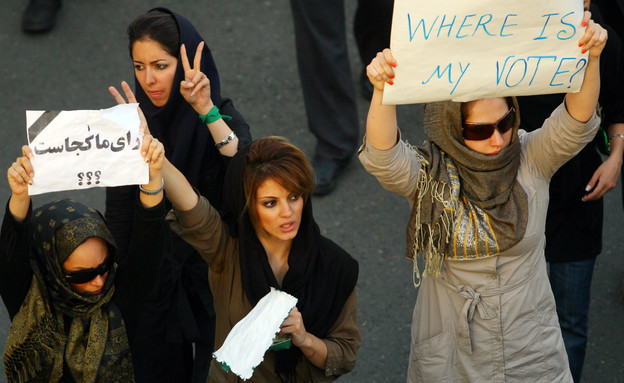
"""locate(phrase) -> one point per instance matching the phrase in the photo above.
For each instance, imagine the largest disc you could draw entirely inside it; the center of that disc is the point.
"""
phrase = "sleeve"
(119, 214)
(396, 169)
(343, 342)
(149, 240)
(612, 87)
(203, 229)
(560, 138)
(15, 271)
(237, 123)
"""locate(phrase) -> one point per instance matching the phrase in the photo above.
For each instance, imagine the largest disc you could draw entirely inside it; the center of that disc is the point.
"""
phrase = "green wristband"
(213, 116)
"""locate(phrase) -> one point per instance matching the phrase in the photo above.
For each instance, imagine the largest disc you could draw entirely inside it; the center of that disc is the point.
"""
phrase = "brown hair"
(277, 159)
(466, 107)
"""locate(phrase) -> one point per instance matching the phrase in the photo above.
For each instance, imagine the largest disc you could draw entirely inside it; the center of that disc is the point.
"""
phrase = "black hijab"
(321, 275)
(188, 142)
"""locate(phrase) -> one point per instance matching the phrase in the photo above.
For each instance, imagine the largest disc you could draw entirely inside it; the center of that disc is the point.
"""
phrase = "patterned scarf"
(468, 205)
(95, 348)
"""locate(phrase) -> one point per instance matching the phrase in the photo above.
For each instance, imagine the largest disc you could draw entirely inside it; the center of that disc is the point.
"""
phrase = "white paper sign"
(248, 341)
(80, 149)
(465, 50)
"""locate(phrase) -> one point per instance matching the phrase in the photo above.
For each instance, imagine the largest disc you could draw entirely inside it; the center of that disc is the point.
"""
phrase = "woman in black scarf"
(201, 131)
(74, 304)
(273, 241)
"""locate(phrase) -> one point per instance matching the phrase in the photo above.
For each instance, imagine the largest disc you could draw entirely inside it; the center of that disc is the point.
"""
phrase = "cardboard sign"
(466, 50)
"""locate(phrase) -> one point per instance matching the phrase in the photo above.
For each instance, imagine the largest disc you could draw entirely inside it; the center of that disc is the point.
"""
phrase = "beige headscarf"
(468, 205)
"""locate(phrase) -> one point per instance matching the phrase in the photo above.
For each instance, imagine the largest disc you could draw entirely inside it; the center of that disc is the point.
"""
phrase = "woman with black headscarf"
(273, 241)
(74, 303)
(479, 194)
(177, 87)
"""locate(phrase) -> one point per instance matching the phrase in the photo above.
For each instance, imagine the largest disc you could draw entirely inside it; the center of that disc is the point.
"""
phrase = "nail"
(588, 188)
(392, 76)
(584, 50)
(390, 82)
(393, 65)
(580, 45)
(584, 23)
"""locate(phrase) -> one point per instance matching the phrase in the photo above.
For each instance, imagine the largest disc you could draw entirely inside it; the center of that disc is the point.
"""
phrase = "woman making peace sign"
(183, 106)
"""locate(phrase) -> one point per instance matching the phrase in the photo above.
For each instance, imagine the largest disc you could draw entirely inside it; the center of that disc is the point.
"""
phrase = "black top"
(187, 309)
(574, 227)
(141, 280)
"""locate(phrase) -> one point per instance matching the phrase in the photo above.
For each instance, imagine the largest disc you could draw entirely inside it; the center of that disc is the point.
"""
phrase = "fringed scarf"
(95, 348)
(467, 205)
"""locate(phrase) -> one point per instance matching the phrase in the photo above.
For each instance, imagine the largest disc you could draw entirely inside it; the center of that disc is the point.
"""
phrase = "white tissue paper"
(249, 339)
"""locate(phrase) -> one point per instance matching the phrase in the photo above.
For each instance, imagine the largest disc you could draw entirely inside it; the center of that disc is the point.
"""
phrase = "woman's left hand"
(153, 152)
(195, 88)
(293, 325)
(595, 37)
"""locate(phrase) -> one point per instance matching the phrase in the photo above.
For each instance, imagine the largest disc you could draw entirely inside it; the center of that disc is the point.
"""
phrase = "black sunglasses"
(84, 276)
(479, 131)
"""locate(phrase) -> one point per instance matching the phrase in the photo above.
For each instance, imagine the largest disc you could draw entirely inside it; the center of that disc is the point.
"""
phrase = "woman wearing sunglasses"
(479, 194)
(75, 307)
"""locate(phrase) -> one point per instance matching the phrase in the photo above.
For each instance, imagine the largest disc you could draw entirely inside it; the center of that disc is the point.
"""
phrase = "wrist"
(151, 189)
(206, 108)
(213, 115)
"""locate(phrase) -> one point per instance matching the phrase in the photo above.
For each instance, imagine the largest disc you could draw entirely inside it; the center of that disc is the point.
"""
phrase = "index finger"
(26, 151)
(116, 95)
(197, 60)
(185, 62)
(128, 92)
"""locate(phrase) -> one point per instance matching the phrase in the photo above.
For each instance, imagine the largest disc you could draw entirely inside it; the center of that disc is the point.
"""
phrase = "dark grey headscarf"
(96, 348)
(464, 196)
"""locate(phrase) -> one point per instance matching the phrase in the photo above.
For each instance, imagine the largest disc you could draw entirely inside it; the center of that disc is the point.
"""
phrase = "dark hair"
(158, 26)
(466, 107)
(277, 159)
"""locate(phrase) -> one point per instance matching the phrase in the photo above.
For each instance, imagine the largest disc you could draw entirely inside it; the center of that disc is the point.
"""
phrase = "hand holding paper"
(20, 175)
(381, 69)
(247, 342)
(594, 39)
(312, 347)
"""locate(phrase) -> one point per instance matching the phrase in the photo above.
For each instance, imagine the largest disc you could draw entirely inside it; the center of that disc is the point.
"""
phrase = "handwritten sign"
(465, 50)
(81, 149)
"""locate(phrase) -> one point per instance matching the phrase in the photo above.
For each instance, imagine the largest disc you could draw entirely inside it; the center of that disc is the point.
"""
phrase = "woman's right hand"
(153, 152)
(20, 174)
(195, 88)
(381, 69)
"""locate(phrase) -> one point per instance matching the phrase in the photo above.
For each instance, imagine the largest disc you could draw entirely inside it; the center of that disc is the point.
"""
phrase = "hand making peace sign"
(195, 88)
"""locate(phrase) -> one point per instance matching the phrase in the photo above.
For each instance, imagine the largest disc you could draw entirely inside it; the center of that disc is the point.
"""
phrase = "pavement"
(253, 45)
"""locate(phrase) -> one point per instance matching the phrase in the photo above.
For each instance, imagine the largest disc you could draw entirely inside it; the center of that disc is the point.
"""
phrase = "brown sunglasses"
(483, 131)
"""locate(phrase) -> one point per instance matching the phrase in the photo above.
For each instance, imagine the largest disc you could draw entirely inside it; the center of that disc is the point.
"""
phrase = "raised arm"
(381, 123)
(582, 105)
(20, 175)
(153, 153)
(179, 190)
(195, 88)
